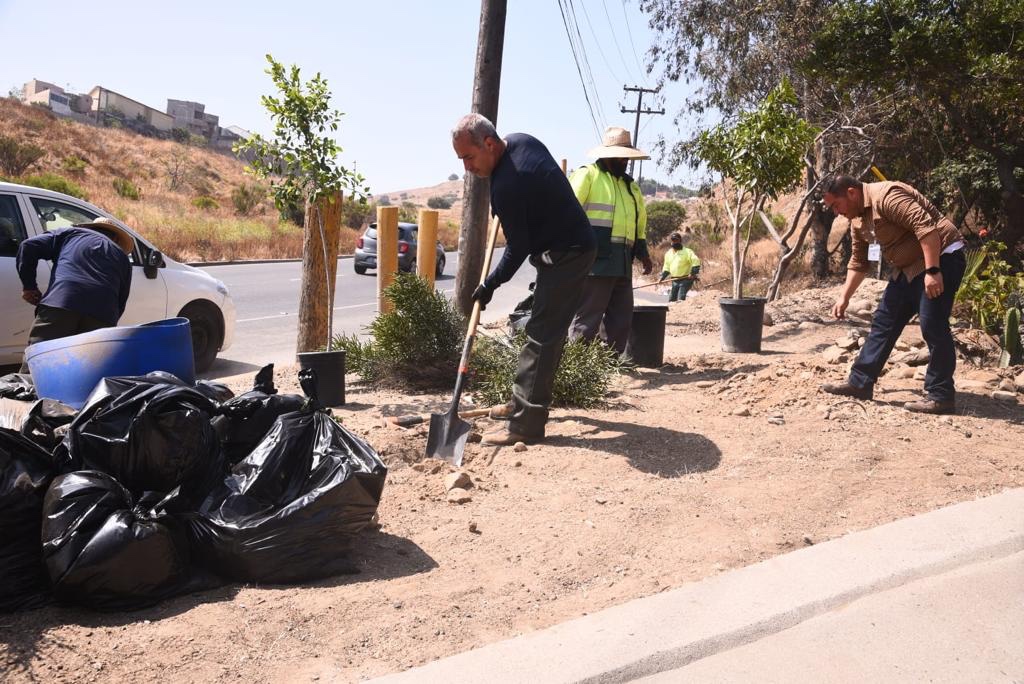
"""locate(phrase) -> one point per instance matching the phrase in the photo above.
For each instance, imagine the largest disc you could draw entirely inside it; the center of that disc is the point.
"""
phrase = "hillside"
(169, 176)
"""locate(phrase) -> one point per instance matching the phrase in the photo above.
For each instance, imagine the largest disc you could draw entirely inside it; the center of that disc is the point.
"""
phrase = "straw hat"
(617, 144)
(113, 231)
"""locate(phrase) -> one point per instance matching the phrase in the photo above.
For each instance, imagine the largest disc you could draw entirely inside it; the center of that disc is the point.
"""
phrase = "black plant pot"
(742, 322)
(330, 374)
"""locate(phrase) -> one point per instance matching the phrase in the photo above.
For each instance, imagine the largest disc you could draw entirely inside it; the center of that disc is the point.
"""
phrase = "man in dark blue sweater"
(89, 281)
(543, 221)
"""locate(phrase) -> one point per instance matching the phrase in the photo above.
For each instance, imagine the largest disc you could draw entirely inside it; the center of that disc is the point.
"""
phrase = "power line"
(615, 38)
(579, 70)
(632, 43)
(590, 25)
(586, 64)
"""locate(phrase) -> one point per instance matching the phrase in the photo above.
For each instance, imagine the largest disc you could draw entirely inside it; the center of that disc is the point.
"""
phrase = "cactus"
(1011, 355)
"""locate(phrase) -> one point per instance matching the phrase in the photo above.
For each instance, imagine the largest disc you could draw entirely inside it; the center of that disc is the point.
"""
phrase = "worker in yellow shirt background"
(681, 265)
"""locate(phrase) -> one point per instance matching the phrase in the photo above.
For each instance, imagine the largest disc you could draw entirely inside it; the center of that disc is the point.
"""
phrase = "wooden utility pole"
(314, 316)
(638, 111)
(476, 191)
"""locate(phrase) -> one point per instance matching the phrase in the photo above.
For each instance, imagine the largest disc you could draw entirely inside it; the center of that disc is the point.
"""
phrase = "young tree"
(301, 164)
(760, 156)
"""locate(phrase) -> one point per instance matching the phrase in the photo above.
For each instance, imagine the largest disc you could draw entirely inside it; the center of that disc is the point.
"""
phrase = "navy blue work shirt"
(536, 205)
(91, 275)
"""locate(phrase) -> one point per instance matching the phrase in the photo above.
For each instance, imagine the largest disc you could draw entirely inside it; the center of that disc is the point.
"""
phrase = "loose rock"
(741, 411)
(1006, 397)
(459, 496)
(704, 384)
(519, 447)
(847, 343)
(1007, 385)
(835, 355)
(457, 480)
(902, 372)
(473, 528)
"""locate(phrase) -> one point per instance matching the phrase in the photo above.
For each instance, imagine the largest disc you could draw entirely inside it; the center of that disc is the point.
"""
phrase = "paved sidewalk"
(935, 597)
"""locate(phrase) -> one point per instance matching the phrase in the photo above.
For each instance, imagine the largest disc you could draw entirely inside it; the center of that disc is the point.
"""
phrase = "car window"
(371, 233)
(54, 215)
(12, 228)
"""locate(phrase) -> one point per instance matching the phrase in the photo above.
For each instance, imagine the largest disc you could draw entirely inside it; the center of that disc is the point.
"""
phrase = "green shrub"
(583, 379)
(205, 202)
(247, 197)
(453, 177)
(15, 157)
(408, 213)
(663, 217)
(416, 344)
(438, 202)
(51, 181)
(988, 287)
(74, 165)
(354, 213)
(125, 188)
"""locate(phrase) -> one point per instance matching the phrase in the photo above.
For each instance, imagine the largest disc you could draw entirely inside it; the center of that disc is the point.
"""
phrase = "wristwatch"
(934, 270)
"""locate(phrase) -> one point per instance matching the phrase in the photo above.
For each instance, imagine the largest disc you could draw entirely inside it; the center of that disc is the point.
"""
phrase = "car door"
(16, 313)
(147, 300)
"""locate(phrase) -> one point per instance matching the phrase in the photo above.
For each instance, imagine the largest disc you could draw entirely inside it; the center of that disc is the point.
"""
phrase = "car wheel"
(439, 271)
(360, 270)
(207, 334)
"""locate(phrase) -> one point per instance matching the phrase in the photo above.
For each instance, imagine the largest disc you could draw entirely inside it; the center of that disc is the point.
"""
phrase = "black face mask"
(616, 167)
(677, 245)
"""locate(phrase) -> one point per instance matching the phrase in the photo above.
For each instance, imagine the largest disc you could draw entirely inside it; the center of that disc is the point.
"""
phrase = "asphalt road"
(267, 299)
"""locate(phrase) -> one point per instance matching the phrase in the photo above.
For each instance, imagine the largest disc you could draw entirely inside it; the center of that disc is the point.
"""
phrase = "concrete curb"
(243, 262)
(672, 629)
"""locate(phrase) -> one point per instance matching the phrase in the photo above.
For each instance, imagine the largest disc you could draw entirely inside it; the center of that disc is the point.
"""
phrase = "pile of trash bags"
(157, 488)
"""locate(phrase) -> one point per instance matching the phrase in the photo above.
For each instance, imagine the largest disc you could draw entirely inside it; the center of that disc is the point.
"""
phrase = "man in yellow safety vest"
(681, 265)
(615, 208)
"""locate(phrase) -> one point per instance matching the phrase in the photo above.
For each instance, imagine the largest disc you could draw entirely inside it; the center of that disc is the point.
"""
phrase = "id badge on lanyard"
(874, 252)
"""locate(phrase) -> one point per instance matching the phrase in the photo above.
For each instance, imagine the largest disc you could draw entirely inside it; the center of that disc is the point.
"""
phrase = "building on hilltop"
(192, 117)
(108, 104)
(54, 97)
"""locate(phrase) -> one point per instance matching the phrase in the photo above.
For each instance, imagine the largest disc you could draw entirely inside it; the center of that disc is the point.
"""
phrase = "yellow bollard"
(426, 250)
(387, 253)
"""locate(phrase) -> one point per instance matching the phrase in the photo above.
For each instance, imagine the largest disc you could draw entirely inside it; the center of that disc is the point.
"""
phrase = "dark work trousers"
(608, 300)
(53, 323)
(554, 303)
(680, 288)
(900, 302)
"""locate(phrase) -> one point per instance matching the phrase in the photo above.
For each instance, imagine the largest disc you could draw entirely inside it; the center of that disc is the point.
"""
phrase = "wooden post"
(565, 167)
(476, 191)
(315, 301)
(387, 253)
(426, 250)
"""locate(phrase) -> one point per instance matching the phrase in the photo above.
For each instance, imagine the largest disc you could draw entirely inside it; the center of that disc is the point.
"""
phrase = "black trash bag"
(151, 433)
(245, 420)
(520, 315)
(47, 422)
(25, 473)
(103, 551)
(289, 511)
(217, 391)
(18, 386)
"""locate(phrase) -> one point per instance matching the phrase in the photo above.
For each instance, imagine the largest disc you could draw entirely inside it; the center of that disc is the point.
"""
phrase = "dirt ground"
(713, 462)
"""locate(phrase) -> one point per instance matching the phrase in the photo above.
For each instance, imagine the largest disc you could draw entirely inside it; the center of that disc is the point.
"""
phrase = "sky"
(400, 70)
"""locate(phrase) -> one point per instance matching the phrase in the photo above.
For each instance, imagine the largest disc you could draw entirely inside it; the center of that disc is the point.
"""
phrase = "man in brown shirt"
(926, 249)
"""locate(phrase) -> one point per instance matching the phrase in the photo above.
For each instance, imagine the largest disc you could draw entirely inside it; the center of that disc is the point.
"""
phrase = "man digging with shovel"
(542, 220)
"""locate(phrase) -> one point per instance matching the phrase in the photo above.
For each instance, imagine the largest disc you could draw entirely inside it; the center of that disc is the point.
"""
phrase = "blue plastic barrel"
(69, 368)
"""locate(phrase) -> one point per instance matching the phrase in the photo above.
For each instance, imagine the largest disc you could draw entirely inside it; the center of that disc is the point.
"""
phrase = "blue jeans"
(901, 300)
(680, 288)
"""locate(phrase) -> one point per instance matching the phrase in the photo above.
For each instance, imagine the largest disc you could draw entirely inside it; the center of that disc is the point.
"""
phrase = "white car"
(161, 287)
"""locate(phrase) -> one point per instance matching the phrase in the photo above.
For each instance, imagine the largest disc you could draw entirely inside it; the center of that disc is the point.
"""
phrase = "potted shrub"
(756, 158)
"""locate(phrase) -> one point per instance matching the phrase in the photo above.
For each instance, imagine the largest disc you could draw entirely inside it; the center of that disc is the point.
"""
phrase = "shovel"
(448, 432)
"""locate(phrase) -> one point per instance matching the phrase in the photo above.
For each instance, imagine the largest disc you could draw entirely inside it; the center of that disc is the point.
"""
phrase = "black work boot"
(845, 389)
(931, 406)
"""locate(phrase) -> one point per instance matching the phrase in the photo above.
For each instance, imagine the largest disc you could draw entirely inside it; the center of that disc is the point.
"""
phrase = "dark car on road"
(366, 250)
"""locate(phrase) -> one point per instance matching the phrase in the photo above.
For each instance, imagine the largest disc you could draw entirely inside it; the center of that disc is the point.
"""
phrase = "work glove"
(664, 274)
(695, 271)
(483, 294)
(648, 265)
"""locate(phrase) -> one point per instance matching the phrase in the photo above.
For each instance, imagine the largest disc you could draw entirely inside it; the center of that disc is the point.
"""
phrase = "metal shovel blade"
(447, 437)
